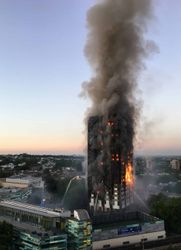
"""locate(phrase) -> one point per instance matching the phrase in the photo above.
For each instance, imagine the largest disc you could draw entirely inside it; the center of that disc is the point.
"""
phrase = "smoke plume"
(116, 49)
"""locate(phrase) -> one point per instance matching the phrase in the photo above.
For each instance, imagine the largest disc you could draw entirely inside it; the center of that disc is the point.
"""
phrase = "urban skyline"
(43, 66)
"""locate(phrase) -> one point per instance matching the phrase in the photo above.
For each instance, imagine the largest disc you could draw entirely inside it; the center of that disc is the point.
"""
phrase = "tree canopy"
(167, 209)
(6, 236)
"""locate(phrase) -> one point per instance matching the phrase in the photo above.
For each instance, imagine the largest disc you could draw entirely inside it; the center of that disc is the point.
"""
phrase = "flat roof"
(30, 208)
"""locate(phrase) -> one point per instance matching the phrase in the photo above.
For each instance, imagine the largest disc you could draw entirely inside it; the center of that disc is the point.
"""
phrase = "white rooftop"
(30, 208)
(81, 214)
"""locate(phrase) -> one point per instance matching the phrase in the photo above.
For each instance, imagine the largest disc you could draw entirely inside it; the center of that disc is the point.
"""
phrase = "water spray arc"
(68, 187)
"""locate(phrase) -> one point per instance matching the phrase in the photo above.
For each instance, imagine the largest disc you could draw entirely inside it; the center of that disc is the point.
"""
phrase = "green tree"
(6, 236)
(167, 209)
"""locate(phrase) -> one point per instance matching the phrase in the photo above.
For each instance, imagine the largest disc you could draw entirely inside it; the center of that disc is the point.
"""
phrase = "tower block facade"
(110, 163)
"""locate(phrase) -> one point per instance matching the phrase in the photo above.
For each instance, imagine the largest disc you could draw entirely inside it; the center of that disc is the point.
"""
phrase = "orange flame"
(110, 123)
(129, 175)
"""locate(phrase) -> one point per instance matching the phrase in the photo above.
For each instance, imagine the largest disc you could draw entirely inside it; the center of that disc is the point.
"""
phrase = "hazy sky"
(42, 67)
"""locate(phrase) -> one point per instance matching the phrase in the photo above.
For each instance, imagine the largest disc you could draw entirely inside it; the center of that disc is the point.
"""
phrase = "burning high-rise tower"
(115, 49)
(110, 164)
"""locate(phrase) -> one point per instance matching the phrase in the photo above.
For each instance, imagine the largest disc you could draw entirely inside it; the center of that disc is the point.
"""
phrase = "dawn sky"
(42, 67)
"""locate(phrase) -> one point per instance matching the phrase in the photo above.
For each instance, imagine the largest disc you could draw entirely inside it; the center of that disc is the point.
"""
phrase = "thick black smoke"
(116, 49)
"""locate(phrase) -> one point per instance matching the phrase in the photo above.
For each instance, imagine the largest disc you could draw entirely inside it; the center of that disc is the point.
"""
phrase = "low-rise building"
(21, 214)
(18, 194)
(41, 228)
(8, 166)
(14, 183)
(35, 227)
(116, 229)
(22, 182)
(40, 241)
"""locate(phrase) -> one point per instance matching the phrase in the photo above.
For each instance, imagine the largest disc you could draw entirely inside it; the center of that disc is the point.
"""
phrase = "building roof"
(30, 208)
(81, 214)
(17, 180)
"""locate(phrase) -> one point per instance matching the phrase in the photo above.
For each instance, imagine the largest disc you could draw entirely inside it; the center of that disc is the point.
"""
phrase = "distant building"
(175, 164)
(8, 166)
(14, 183)
(149, 164)
(140, 166)
(22, 164)
(24, 182)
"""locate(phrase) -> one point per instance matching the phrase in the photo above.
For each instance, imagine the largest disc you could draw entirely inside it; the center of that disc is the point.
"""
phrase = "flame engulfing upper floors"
(110, 163)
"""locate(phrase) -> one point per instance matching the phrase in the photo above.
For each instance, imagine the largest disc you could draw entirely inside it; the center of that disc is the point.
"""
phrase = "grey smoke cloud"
(116, 49)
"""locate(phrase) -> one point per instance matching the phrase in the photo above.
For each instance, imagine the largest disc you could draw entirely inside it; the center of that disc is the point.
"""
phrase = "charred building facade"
(110, 163)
